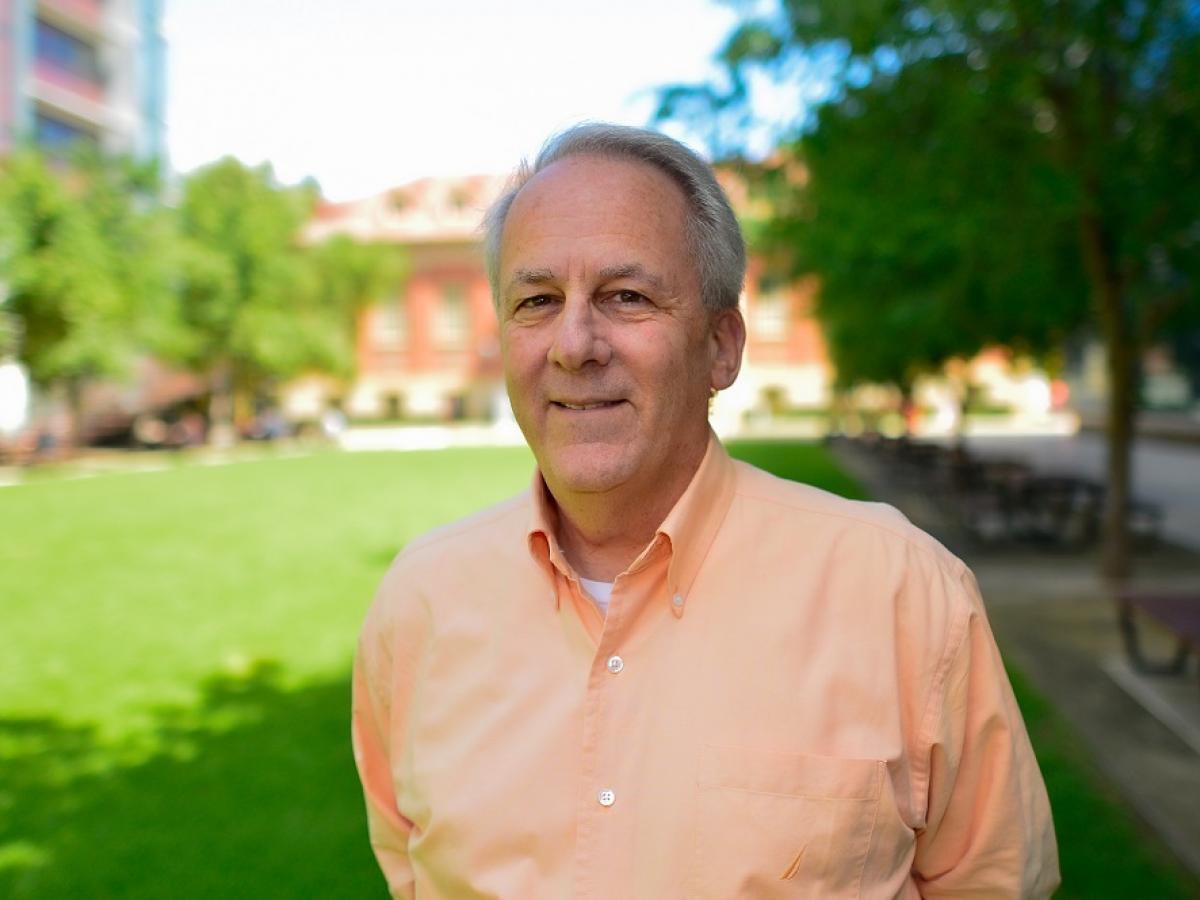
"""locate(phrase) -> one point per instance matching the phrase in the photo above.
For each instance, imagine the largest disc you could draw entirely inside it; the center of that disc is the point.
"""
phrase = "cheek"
(521, 360)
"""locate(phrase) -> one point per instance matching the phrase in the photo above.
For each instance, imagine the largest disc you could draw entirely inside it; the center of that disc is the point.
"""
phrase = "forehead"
(593, 204)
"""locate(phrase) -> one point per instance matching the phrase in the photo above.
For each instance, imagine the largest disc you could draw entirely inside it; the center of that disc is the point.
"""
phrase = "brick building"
(429, 350)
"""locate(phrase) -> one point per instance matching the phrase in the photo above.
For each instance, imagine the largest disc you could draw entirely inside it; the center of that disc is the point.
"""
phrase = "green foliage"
(8, 333)
(79, 255)
(959, 241)
(986, 171)
(259, 304)
(346, 276)
(980, 168)
(95, 271)
(242, 276)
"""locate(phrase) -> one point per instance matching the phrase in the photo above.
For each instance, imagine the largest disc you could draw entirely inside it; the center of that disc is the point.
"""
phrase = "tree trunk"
(1116, 561)
(221, 432)
(73, 393)
(1122, 349)
(908, 410)
(958, 378)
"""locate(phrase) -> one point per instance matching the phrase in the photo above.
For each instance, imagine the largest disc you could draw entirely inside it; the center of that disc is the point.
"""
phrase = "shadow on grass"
(252, 794)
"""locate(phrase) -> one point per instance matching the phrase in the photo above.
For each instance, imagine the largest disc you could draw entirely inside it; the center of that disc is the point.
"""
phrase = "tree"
(992, 171)
(348, 275)
(260, 305)
(975, 255)
(80, 243)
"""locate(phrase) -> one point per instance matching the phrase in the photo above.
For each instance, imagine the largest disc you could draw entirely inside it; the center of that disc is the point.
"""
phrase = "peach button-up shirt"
(792, 695)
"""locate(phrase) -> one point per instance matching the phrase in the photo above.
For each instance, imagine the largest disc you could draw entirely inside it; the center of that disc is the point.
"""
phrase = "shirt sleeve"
(988, 830)
(382, 682)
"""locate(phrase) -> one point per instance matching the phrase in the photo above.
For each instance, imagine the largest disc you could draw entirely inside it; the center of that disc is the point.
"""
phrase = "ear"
(727, 332)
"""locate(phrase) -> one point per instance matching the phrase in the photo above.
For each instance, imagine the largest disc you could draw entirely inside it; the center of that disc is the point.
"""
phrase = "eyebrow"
(530, 276)
(608, 273)
(630, 270)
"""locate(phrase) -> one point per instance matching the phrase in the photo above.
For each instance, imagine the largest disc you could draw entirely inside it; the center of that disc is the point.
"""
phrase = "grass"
(808, 463)
(173, 681)
(1103, 850)
(174, 690)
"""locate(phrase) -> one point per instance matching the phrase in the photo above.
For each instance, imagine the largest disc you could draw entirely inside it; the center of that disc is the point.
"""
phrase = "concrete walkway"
(1056, 621)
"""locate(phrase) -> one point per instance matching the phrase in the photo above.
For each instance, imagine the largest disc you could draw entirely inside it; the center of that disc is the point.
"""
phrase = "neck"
(601, 534)
(599, 545)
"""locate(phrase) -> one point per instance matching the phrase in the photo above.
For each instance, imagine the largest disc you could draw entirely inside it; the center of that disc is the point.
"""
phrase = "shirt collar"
(687, 532)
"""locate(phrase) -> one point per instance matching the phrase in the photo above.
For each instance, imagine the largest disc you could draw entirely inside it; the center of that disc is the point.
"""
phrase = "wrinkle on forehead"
(586, 221)
(569, 188)
(632, 271)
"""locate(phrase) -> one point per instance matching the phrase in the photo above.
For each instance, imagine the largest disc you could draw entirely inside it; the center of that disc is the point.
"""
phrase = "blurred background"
(247, 350)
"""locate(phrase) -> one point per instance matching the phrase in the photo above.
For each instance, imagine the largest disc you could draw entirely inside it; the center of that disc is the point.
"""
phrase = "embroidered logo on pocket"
(791, 870)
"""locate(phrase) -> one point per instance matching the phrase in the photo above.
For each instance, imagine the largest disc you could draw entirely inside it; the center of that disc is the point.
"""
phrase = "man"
(660, 673)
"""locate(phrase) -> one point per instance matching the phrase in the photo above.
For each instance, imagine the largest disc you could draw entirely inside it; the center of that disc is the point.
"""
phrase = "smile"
(602, 404)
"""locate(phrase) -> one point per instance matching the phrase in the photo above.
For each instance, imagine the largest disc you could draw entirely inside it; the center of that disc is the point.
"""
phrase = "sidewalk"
(1055, 621)
(1164, 426)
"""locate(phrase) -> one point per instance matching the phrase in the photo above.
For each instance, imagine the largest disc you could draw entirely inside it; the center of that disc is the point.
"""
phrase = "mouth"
(585, 406)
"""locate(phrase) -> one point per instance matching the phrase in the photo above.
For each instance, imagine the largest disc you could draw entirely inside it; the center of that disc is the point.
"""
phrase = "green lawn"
(173, 681)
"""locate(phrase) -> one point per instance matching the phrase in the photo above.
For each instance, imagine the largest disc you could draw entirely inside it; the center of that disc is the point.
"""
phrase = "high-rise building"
(83, 70)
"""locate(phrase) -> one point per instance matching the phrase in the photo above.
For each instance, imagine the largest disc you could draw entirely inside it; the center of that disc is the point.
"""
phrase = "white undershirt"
(600, 591)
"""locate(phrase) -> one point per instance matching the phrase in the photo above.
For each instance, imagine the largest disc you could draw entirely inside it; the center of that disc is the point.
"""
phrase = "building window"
(391, 324)
(451, 326)
(66, 52)
(56, 135)
(770, 317)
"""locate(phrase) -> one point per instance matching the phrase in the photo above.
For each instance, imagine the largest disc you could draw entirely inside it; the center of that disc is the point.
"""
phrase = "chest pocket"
(782, 825)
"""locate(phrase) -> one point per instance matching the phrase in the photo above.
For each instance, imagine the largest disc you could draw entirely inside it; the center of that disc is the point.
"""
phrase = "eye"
(537, 301)
(630, 298)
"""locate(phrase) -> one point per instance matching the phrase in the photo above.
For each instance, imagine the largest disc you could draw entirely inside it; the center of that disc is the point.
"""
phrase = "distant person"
(333, 423)
(150, 431)
(659, 673)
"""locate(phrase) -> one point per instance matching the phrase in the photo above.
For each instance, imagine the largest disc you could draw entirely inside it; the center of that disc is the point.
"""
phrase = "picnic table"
(1178, 613)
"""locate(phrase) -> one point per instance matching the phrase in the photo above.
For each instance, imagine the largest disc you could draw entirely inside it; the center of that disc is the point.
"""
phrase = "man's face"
(609, 355)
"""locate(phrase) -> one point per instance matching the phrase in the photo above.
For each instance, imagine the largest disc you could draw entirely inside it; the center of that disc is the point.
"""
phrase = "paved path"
(1164, 473)
(1054, 619)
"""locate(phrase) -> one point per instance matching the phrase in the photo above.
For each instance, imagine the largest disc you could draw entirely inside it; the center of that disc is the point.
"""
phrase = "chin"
(588, 470)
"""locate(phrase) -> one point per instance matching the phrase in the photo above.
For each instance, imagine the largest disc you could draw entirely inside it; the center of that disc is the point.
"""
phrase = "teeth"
(587, 405)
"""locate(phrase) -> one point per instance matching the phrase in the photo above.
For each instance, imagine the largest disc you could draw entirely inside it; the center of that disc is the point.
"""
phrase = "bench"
(1179, 613)
(998, 501)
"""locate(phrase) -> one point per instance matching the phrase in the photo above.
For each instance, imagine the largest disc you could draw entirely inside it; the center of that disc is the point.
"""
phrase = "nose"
(579, 336)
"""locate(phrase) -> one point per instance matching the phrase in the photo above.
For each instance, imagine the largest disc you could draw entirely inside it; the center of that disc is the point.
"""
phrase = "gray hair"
(712, 231)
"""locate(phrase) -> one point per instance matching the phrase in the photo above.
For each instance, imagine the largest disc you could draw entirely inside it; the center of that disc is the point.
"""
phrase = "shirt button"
(677, 601)
(615, 664)
(606, 797)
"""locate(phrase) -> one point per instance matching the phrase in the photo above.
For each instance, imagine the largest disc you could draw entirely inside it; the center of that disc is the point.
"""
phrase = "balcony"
(57, 79)
(74, 15)
(68, 94)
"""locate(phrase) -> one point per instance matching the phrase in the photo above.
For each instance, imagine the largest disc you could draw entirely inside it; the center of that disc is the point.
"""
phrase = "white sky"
(368, 94)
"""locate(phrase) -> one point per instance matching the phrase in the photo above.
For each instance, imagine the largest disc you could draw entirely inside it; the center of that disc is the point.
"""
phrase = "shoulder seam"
(462, 527)
(946, 561)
